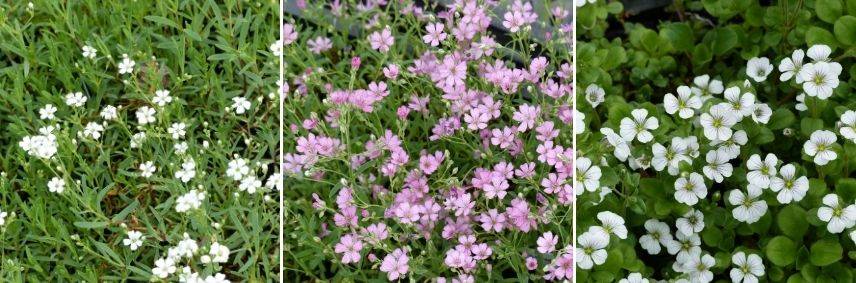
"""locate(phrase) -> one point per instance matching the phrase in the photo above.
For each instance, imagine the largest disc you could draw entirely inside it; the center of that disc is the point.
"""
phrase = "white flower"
(240, 104)
(190, 200)
(691, 222)
(137, 139)
(848, 125)
(742, 103)
(579, 122)
(3, 215)
(216, 278)
(717, 168)
(56, 185)
(47, 112)
(237, 169)
(612, 223)
(658, 234)
(638, 127)
(186, 248)
(748, 269)
(837, 216)
(162, 98)
(595, 95)
(790, 67)
(180, 148)
(177, 130)
(75, 99)
(634, 277)
(800, 106)
(690, 190)
(42, 146)
(789, 187)
(718, 122)
(145, 115)
(590, 249)
(760, 172)
(276, 48)
(275, 181)
(621, 148)
(187, 172)
(819, 52)
(698, 268)
(135, 240)
(164, 267)
(731, 147)
(89, 52)
(685, 104)
(671, 156)
(147, 169)
(707, 87)
(819, 79)
(588, 175)
(250, 184)
(127, 65)
(684, 246)
(750, 208)
(759, 68)
(217, 253)
(93, 130)
(761, 113)
(820, 145)
(109, 112)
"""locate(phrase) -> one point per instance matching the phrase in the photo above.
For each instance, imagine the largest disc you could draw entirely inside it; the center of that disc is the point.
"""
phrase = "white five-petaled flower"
(685, 104)
(595, 95)
(670, 156)
(621, 148)
(761, 113)
(612, 223)
(759, 68)
(748, 269)
(162, 98)
(658, 234)
(56, 185)
(698, 268)
(750, 208)
(187, 171)
(109, 112)
(189, 201)
(690, 190)
(837, 216)
(684, 246)
(639, 126)
(707, 87)
(820, 146)
(147, 169)
(789, 187)
(717, 168)
(634, 277)
(135, 240)
(743, 103)
(848, 125)
(718, 121)
(761, 171)
(590, 249)
(145, 115)
(127, 65)
(164, 267)
(93, 130)
(819, 52)
(820, 78)
(47, 112)
(588, 175)
(75, 99)
(89, 52)
(790, 66)
(731, 146)
(240, 104)
(177, 130)
(691, 222)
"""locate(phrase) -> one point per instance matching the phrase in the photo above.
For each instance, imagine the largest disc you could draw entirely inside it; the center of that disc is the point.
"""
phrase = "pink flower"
(519, 16)
(492, 220)
(395, 264)
(408, 213)
(355, 62)
(435, 34)
(481, 251)
(402, 112)
(381, 40)
(552, 183)
(377, 232)
(289, 35)
(391, 71)
(546, 131)
(547, 243)
(319, 44)
(477, 119)
(503, 138)
(429, 163)
(526, 170)
(349, 246)
(526, 115)
(531, 263)
(496, 188)
(564, 267)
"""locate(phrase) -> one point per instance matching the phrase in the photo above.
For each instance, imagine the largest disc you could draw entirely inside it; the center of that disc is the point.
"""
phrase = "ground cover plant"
(423, 144)
(139, 141)
(717, 142)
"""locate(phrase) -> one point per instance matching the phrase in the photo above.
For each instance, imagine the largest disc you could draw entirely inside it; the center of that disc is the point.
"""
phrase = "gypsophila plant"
(120, 122)
(420, 145)
(716, 143)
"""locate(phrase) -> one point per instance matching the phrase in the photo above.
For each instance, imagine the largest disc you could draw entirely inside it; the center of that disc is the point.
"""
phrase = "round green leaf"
(845, 30)
(781, 251)
(825, 252)
(828, 10)
(792, 221)
(817, 35)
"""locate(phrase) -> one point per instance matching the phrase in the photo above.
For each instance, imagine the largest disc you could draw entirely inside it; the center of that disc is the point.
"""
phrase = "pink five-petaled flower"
(531, 263)
(526, 115)
(503, 138)
(496, 187)
(547, 243)
(349, 246)
(319, 44)
(429, 163)
(552, 183)
(435, 34)
(381, 40)
(492, 220)
(564, 267)
(395, 264)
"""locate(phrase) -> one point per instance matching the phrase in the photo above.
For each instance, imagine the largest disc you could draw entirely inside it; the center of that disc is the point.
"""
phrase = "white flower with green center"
(761, 171)
(595, 95)
(591, 248)
(587, 175)
(743, 103)
(698, 268)
(837, 216)
(691, 222)
(820, 146)
(789, 186)
(671, 156)
(848, 125)
(748, 268)
(750, 208)
(731, 146)
(621, 148)
(707, 87)
(685, 104)
(658, 234)
(718, 121)
(612, 223)
(761, 113)
(759, 68)
(685, 245)
(717, 168)
(56, 185)
(790, 66)
(819, 79)
(689, 190)
(639, 126)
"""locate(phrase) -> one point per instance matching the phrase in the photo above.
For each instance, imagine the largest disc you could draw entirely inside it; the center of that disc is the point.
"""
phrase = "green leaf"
(781, 118)
(792, 221)
(809, 125)
(724, 39)
(162, 21)
(845, 30)
(828, 10)
(222, 57)
(701, 55)
(781, 251)
(817, 35)
(825, 252)
(91, 224)
(680, 35)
